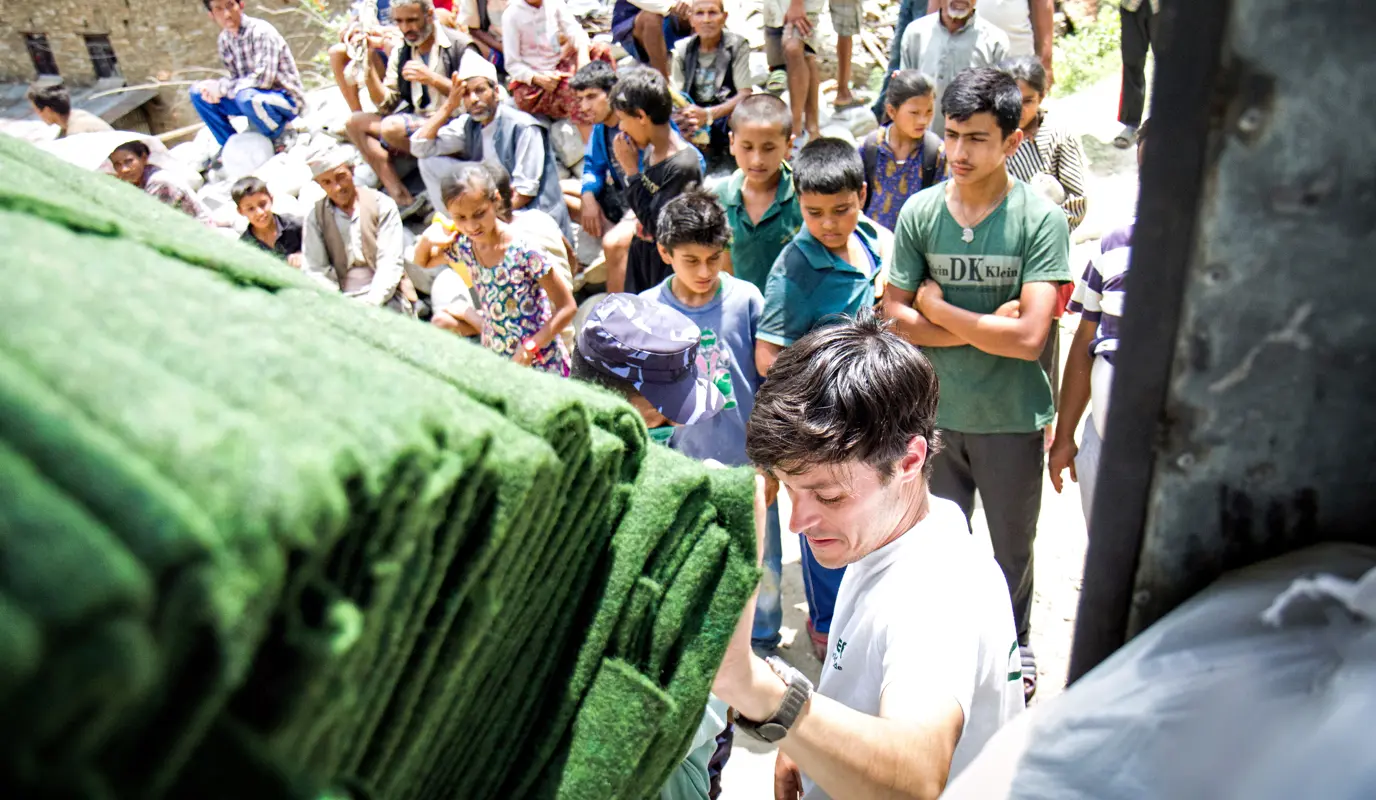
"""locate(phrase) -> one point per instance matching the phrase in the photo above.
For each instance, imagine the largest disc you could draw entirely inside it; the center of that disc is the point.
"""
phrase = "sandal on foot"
(855, 101)
(1125, 138)
(1029, 672)
(777, 83)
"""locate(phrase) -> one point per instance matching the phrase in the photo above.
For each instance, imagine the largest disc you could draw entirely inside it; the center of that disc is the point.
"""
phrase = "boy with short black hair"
(963, 250)
(602, 206)
(692, 237)
(759, 198)
(831, 265)
(828, 271)
(276, 233)
(711, 74)
(658, 162)
(53, 104)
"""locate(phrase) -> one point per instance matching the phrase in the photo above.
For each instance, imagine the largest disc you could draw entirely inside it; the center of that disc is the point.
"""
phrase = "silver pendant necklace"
(967, 232)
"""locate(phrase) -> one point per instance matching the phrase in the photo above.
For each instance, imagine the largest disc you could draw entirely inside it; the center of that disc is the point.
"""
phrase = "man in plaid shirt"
(263, 82)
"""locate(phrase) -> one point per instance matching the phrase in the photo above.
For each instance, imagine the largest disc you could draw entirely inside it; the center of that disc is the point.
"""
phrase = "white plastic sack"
(244, 153)
(567, 142)
(1261, 687)
(285, 173)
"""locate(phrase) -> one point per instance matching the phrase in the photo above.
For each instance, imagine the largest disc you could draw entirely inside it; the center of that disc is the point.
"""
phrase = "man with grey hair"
(352, 241)
(947, 42)
(417, 83)
(489, 131)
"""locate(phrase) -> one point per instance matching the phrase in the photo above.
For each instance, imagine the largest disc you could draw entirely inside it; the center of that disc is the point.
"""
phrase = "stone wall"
(152, 40)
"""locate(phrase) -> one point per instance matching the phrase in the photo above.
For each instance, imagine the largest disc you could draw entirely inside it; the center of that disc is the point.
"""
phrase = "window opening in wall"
(41, 53)
(102, 55)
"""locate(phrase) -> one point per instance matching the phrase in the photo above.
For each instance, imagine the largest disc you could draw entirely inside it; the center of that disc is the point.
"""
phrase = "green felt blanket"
(257, 540)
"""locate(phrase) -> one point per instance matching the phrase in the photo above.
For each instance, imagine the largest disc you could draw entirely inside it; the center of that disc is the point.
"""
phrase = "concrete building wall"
(152, 40)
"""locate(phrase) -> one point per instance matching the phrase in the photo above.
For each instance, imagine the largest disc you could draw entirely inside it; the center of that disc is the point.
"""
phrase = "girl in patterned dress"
(523, 302)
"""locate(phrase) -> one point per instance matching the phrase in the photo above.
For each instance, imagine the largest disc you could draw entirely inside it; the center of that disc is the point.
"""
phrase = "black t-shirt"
(288, 236)
(647, 193)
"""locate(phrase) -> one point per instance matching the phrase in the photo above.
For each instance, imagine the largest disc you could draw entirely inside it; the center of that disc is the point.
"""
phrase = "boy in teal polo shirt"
(760, 202)
(828, 270)
(762, 210)
(965, 252)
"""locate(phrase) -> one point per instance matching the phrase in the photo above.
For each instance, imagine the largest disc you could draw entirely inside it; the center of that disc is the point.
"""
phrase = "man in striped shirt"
(1098, 299)
(263, 84)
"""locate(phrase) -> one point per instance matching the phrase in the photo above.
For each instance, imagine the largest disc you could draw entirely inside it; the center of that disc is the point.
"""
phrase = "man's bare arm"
(1022, 338)
(1043, 14)
(911, 325)
(855, 755)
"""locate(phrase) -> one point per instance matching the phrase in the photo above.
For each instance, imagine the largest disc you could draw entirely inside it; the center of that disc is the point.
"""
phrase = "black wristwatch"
(797, 695)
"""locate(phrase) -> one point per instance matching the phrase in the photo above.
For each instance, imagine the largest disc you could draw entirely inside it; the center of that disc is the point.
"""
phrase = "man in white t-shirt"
(922, 661)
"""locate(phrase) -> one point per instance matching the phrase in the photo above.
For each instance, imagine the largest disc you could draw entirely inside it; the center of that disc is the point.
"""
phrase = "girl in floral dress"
(523, 302)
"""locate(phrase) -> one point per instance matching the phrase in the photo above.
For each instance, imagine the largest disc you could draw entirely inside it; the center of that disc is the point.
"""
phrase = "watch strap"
(797, 694)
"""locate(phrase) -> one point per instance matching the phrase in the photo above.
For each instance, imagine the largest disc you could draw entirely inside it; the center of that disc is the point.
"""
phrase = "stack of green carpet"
(259, 541)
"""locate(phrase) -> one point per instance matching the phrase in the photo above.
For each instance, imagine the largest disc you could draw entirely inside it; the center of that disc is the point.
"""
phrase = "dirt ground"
(1061, 538)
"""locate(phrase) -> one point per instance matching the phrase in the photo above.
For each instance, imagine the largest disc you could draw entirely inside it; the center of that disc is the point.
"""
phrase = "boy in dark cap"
(648, 353)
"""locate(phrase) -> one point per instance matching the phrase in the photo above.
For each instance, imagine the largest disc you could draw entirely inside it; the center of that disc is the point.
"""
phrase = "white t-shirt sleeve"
(931, 656)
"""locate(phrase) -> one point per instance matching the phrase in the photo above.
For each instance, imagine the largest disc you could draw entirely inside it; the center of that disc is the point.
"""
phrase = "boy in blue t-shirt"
(828, 270)
(692, 239)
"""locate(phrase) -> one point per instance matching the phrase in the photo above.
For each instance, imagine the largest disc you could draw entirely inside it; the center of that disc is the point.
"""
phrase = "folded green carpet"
(292, 547)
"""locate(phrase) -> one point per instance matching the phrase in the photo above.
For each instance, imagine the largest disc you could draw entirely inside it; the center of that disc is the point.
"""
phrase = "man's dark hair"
(828, 166)
(594, 75)
(246, 187)
(136, 147)
(207, 3)
(645, 90)
(851, 391)
(51, 96)
(905, 84)
(1027, 69)
(984, 91)
(694, 217)
(763, 109)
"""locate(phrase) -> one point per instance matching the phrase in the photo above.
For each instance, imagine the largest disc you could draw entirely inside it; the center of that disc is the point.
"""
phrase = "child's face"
(474, 214)
(913, 117)
(257, 209)
(1031, 104)
(708, 18)
(976, 147)
(759, 149)
(594, 105)
(696, 266)
(637, 125)
(831, 218)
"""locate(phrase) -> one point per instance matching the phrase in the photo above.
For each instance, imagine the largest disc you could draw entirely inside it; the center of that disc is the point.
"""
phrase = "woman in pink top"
(543, 45)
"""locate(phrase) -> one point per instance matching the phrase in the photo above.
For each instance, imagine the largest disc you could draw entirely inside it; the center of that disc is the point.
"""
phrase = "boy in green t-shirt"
(759, 199)
(977, 263)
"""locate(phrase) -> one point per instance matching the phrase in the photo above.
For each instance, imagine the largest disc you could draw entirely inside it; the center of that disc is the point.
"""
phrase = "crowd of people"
(797, 315)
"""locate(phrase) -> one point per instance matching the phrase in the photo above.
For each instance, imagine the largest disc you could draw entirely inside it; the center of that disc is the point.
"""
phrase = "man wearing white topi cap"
(489, 131)
(352, 239)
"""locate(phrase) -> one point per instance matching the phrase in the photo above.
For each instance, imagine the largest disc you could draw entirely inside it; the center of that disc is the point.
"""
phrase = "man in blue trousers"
(263, 84)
